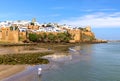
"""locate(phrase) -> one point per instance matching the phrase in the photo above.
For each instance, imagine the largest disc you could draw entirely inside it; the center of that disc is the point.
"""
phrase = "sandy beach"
(8, 70)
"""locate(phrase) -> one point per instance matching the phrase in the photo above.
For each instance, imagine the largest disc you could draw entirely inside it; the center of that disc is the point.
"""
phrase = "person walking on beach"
(39, 71)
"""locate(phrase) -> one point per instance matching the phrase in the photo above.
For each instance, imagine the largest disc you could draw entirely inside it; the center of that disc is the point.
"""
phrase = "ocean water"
(90, 62)
(86, 62)
(107, 33)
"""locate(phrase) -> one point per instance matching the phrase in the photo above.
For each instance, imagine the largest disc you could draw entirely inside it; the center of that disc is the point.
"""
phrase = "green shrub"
(33, 37)
(60, 37)
(34, 58)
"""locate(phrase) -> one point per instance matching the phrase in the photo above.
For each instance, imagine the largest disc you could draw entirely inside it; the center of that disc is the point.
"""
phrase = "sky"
(102, 15)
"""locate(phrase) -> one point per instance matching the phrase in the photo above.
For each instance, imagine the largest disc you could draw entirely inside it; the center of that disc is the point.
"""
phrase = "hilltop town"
(19, 31)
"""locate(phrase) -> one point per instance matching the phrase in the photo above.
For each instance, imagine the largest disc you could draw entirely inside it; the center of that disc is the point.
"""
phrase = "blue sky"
(99, 14)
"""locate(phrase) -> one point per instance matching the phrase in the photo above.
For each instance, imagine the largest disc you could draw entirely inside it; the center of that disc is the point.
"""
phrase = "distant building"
(24, 27)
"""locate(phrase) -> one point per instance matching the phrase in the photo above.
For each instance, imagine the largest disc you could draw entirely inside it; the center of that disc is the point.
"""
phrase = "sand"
(8, 70)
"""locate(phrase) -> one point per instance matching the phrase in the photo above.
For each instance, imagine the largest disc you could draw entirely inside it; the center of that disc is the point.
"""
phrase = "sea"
(85, 62)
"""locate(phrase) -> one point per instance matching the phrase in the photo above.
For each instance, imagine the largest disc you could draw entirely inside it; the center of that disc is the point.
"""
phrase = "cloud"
(98, 10)
(86, 10)
(99, 19)
(108, 9)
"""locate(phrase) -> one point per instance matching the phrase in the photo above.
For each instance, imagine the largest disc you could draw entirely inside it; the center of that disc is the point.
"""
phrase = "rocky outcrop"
(82, 35)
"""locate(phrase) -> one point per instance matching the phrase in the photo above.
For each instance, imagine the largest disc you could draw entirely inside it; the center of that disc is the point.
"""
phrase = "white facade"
(22, 25)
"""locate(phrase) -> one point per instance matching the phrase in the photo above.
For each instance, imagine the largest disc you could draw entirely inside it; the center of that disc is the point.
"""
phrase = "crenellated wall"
(84, 35)
(14, 36)
(87, 36)
(76, 35)
(6, 35)
(22, 36)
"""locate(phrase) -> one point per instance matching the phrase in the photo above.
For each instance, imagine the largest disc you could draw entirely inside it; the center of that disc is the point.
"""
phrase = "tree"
(39, 38)
(44, 37)
(67, 37)
(60, 37)
(49, 25)
(11, 28)
(63, 37)
(33, 37)
(32, 23)
(51, 37)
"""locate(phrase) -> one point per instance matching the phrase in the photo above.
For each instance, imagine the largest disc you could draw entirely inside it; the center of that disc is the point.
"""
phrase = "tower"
(33, 20)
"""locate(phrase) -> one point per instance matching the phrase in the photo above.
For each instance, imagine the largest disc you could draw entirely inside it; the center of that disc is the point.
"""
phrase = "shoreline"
(25, 70)
(28, 44)
(9, 70)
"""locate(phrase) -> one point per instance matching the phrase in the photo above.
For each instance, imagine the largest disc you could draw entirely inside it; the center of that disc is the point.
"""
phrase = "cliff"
(82, 35)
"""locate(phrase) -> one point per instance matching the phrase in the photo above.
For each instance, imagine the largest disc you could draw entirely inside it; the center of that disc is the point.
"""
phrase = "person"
(39, 71)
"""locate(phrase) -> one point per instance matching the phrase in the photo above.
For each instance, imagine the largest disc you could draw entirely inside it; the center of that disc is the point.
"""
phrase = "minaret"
(33, 20)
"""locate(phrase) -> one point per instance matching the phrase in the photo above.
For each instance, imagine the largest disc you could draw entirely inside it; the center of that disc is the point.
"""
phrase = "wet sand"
(8, 70)
(57, 61)
(11, 70)
(21, 50)
(21, 71)
(29, 73)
